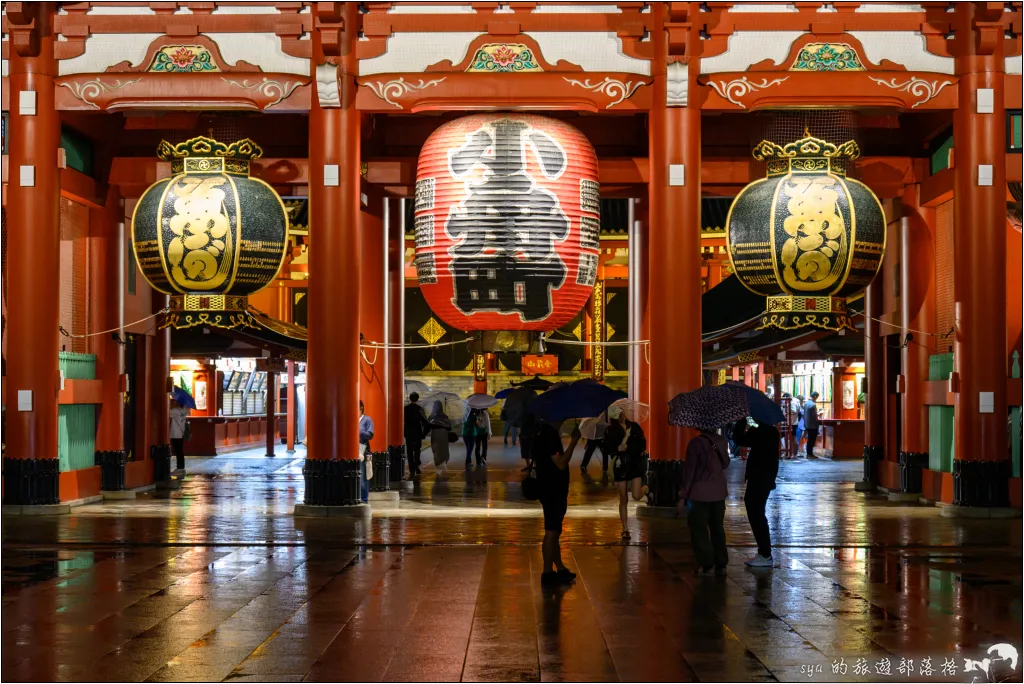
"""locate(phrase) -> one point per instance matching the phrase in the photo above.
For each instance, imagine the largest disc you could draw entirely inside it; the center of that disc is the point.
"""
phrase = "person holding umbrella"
(762, 469)
(181, 403)
(552, 461)
(626, 443)
(416, 428)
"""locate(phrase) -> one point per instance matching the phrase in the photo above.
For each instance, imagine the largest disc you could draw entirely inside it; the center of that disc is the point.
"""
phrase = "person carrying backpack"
(483, 434)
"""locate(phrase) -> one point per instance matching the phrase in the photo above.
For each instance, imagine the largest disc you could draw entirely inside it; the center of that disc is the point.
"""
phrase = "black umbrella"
(709, 407)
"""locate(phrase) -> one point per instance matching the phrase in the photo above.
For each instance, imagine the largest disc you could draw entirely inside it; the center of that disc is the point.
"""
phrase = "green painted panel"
(940, 419)
(76, 423)
(76, 436)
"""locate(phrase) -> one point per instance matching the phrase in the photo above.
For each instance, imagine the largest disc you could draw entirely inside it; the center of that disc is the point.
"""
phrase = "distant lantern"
(507, 220)
(209, 235)
(807, 237)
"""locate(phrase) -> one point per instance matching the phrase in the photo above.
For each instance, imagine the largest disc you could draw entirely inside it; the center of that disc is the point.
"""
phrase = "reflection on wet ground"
(218, 581)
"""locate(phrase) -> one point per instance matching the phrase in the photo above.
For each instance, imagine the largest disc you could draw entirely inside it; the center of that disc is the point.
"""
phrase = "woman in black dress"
(626, 443)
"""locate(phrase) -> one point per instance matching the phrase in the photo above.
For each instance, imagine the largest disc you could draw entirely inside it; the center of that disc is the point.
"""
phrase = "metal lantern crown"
(507, 220)
(209, 229)
(806, 236)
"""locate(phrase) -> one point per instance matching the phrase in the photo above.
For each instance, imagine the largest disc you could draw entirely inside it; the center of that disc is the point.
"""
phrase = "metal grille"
(74, 232)
(782, 128)
(944, 256)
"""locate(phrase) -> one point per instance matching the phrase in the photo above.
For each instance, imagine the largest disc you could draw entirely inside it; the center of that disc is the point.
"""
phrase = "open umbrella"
(593, 428)
(454, 405)
(581, 399)
(183, 398)
(481, 401)
(708, 408)
(420, 388)
(535, 383)
(518, 398)
(501, 394)
(634, 410)
(759, 406)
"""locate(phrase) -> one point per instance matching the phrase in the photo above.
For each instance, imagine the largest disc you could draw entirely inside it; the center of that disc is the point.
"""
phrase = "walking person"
(626, 443)
(552, 462)
(510, 425)
(416, 428)
(762, 469)
(600, 430)
(179, 429)
(793, 420)
(440, 429)
(483, 436)
(469, 434)
(704, 490)
(365, 435)
(811, 424)
(799, 420)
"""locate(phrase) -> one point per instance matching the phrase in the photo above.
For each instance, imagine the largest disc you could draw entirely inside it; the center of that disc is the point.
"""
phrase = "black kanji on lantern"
(504, 256)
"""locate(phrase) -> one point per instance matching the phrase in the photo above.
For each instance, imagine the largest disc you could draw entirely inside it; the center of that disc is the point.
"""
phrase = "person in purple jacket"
(703, 490)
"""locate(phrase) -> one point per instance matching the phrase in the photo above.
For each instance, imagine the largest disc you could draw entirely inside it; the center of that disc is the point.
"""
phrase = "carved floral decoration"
(827, 57)
(504, 58)
(183, 59)
(615, 89)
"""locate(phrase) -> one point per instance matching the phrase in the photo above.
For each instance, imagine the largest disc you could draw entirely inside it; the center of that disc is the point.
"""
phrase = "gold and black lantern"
(806, 237)
(209, 235)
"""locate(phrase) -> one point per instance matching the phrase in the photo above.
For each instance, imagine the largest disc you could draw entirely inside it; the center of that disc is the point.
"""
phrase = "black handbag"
(452, 437)
(531, 487)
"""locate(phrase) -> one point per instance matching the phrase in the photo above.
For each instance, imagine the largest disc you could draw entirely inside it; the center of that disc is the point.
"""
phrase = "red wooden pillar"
(158, 358)
(371, 319)
(917, 312)
(291, 415)
(874, 374)
(271, 406)
(979, 241)
(33, 242)
(675, 267)
(396, 323)
(332, 388)
(106, 256)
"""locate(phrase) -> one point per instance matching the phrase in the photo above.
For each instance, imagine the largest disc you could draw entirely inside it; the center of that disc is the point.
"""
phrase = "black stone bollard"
(911, 464)
(380, 482)
(161, 457)
(396, 455)
(872, 455)
(331, 483)
(31, 481)
(663, 479)
(112, 469)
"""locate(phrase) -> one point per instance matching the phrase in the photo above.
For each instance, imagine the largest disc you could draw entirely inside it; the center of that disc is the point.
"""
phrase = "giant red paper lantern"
(507, 222)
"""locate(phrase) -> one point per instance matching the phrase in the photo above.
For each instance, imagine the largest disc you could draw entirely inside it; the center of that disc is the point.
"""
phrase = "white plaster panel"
(902, 47)
(245, 9)
(594, 51)
(117, 9)
(414, 52)
(106, 49)
(1013, 64)
(750, 47)
(761, 8)
(577, 9)
(409, 8)
(889, 7)
(262, 49)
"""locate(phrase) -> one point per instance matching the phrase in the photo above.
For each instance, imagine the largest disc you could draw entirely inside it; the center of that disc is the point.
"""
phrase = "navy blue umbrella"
(183, 398)
(761, 408)
(505, 392)
(581, 399)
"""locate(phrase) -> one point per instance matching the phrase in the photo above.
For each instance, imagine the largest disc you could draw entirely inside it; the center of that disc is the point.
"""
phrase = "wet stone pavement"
(219, 581)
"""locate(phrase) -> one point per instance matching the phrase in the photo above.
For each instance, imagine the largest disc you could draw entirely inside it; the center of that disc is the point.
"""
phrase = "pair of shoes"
(513, 443)
(625, 535)
(719, 571)
(702, 570)
(760, 561)
(554, 579)
(506, 442)
(566, 573)
(812, 457)
(469, 464)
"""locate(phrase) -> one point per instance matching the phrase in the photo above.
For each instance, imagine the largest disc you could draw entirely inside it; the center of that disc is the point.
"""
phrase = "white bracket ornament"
(613, 88)
(918, 87)
(678, 82)
(327, 85)
(740, 87)
(398, 88)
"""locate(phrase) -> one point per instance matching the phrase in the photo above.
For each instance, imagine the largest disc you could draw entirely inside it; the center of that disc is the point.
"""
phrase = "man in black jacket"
(762, 469)
(416, 428)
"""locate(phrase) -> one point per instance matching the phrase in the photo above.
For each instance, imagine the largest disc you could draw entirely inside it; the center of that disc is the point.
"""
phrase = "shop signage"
(540, 364)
